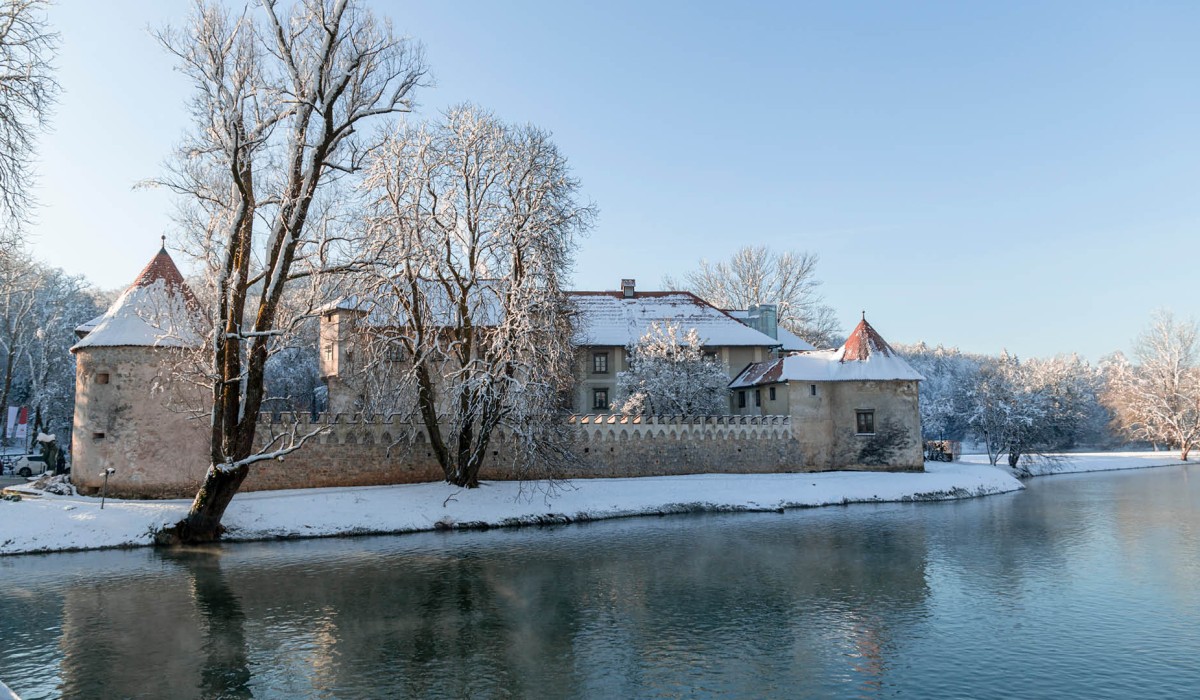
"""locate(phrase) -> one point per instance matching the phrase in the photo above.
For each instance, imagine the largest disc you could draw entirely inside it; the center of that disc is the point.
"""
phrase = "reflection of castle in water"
(561, 613)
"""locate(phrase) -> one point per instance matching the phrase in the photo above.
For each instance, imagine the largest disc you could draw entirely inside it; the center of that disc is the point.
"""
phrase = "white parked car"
(25, 465)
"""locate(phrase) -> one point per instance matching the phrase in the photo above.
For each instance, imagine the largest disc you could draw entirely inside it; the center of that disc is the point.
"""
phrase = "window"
(97, 436)
(758, 397)
(600, 399)
(329, 351)
(866, 422)
(741, 399)
(102, 377)
(600, 363)
(812, 389)
(771, 393)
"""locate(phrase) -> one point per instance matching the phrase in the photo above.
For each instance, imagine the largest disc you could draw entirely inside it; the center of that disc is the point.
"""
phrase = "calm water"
(1082, 586)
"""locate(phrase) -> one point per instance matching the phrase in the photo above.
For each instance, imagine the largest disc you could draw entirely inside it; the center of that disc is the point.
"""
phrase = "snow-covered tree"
(62, 301)
(759, 275)
(1156, 396)
(477, 222)
(1070, 390)
(39, 309)
(969, 394)
(945, 395)
(284, 100)
(1007, 410)
(27, 92)
(670, 374)
(19, 283)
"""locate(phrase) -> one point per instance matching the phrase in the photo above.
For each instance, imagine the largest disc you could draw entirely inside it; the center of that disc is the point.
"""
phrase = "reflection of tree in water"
(224, 671)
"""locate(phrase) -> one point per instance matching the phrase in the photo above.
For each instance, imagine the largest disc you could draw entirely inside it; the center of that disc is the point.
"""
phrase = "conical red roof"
(162, 267)
(157, 310)
(863, 342)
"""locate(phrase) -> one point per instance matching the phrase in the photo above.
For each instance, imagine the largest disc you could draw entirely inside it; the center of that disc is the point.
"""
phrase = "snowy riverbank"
(57, 523)
(1077, 462)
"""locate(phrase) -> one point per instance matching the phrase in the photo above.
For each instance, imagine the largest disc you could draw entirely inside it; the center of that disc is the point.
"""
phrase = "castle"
(792, 407)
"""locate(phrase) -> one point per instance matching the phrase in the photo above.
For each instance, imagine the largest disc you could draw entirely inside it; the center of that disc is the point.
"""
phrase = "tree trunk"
(8, 374)
(203, 521)
(1183, 451)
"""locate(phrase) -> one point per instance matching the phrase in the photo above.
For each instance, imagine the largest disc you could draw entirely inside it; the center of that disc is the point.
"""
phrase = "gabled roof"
(610, 318)
(865, 356)
(157, 310)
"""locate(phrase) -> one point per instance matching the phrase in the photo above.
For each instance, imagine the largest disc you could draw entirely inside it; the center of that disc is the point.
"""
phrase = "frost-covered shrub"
(670, 374)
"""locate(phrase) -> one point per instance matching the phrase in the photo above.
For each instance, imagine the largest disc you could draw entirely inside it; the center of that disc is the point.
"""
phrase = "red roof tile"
(863, 342)
(162, 267)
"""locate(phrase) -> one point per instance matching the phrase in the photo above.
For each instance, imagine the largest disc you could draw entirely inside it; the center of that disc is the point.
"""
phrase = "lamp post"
(104, 489)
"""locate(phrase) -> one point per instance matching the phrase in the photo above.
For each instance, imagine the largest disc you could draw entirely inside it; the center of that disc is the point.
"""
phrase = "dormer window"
(627, 288)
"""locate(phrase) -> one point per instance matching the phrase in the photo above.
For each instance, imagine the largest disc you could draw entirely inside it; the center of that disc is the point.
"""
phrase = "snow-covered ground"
(1075, 462)
(55, 523)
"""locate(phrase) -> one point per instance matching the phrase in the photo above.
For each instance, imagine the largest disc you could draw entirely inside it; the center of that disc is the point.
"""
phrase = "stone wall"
(133, 414)
(357, 451)
(137, 423)
(352, 450)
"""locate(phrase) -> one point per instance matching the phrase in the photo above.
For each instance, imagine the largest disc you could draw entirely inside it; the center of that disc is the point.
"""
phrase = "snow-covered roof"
(788, 341)
(865, 356)
(792, 342)
(601, 318)
(157, 310)
(609, 318)
(88, 326)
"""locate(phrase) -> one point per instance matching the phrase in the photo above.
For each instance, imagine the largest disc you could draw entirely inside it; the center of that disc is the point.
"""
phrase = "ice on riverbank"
(55, 523)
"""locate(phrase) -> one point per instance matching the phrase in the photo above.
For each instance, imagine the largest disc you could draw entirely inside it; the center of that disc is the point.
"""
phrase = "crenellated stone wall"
(356, 450)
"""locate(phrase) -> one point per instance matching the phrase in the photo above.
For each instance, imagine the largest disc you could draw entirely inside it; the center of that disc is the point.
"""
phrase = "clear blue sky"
(986, 175)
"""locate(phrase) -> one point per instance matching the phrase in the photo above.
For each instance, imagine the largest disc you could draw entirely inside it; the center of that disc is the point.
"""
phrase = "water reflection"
(1082, 585)
(225, 671)
(177, 634)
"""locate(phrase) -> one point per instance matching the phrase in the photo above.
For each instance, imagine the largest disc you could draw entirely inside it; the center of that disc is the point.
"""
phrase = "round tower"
(138, 407)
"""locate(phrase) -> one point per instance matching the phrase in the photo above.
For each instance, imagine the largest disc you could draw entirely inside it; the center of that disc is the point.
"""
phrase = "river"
(1080, 586)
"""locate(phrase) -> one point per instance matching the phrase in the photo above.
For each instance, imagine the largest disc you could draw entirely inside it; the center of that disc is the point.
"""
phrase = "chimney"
(764, 318)
(627, 286)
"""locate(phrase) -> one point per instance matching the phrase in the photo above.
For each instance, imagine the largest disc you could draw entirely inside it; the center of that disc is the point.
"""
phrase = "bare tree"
(759, 275)
(281, 100)
(27, 92)
(480, 220)
(1156, 397)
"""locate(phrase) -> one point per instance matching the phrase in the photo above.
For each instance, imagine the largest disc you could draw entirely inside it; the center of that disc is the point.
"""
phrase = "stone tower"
(138, 409)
